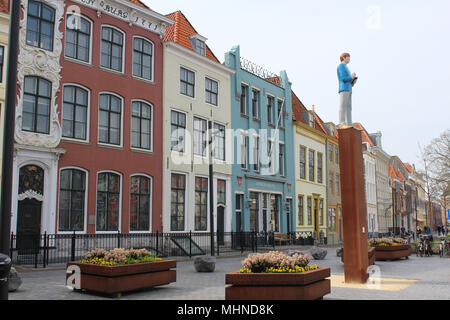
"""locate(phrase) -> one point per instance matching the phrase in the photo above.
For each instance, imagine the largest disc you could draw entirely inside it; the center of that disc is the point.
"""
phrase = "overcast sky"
(400, 51)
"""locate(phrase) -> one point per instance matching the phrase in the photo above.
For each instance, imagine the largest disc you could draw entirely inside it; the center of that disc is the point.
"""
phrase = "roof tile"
(180, 32)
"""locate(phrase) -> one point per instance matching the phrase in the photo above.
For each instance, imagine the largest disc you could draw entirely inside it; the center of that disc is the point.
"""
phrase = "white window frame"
(123, 49)
(89, 62)
(121, 120)
(151, 126)
(86, 194)
(150, 207)
(88, 113)
(153, 61)
(120, 202)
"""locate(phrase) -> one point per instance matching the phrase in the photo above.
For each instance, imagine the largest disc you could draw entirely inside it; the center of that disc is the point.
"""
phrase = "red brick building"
(89, 117)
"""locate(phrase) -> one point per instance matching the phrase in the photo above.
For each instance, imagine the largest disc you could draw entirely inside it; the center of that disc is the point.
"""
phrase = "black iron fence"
(41, 250)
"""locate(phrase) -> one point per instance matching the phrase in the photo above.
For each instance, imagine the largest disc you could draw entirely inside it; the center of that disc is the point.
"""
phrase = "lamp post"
(8, 137)
(211, 188)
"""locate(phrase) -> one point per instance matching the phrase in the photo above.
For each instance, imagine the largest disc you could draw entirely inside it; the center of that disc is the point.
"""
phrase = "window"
(221, 192)
(198, 45)
(311, 165)
(219, 141)
(187, 82)
(239, 226)
(40, 25)
(319, 168)
(280, 114)
(244, 89)
(2, 61)
(311, 120)
(36, 105)
(178, 189)
(270, 109)
(300, 211)
(178, 131)
(321, 212)
(281, 159)
(109, 119)
(141, 125)
(112, 49)
(330, 183)
(200, 141)
(72, 188)
(244, 151)
(78, 38)
(201, 203)
(74, 115)
(330, 152)
(337, 185)
(275, 211)
(302, 162)
(256, 153)
(309, 210)
(142, 58)
(336, 154)
(254, 211)
(270, 154)
(255, 104)
(140, 199)
(108, 201)
(211, 91)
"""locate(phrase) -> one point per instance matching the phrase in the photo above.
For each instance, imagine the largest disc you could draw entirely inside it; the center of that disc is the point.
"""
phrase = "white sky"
(400, 51)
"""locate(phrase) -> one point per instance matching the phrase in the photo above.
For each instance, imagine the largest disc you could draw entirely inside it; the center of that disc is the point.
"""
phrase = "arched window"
(142, 58)
(140, 199)
(109, 119)
(78, 38)
(36, 105)
(108, 201)
(72, 189)
(141, 125)
(40, 25)
(74, 118)
(112, 49)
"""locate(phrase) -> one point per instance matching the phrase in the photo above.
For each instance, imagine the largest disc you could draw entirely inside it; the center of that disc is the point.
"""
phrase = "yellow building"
(310, 172)
(4, 35)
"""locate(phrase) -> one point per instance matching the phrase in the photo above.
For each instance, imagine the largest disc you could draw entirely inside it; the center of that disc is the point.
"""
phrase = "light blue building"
(263, 183)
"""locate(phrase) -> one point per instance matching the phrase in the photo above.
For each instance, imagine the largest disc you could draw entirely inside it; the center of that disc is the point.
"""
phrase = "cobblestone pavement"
(432, 275)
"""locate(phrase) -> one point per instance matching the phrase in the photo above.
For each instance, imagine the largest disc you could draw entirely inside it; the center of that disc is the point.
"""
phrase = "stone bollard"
(14, 280)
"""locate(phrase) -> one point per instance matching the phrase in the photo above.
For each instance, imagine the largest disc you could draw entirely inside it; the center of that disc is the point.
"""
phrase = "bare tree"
(436, 173)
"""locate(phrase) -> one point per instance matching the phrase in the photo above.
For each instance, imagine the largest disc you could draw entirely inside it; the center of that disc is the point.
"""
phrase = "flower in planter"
(119, 256)
(386, 242)
(276, 262)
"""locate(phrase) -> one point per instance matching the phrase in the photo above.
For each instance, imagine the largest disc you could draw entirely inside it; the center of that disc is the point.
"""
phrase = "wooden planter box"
(392, 252)
(114, 280)
(310, 285)
(370, 253)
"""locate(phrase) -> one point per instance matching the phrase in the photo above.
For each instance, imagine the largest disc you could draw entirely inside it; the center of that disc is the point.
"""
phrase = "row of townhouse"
(124, 115)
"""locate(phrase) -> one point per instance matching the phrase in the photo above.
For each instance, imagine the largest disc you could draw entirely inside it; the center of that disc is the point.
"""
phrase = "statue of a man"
(346, 81)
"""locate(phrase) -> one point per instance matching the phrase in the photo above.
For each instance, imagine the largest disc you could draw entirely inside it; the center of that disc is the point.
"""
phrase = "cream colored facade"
(310, 185)
(334, 203)
(186, 164)
(4, 37)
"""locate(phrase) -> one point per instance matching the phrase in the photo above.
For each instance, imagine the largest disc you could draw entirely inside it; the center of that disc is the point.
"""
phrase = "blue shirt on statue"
(345, 78)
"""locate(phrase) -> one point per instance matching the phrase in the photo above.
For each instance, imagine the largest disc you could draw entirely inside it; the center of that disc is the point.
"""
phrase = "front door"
(220, 225)
(28, 226)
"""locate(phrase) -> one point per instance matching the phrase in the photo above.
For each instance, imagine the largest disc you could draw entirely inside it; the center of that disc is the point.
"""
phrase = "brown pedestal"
(353, 197)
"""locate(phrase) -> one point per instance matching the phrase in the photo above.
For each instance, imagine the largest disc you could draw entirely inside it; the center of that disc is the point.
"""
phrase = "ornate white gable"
(34, 61)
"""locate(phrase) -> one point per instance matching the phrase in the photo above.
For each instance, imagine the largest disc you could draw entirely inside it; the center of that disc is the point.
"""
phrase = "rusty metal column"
(354, 210)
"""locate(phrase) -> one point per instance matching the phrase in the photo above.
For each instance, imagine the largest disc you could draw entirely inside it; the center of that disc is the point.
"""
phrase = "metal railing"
(41, 250)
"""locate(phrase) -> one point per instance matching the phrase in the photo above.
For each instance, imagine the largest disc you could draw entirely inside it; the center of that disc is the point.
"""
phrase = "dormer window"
(311, 120)
(198, 44)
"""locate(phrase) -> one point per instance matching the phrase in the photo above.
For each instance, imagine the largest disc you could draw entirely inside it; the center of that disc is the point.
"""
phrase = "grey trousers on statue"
(345, 108)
